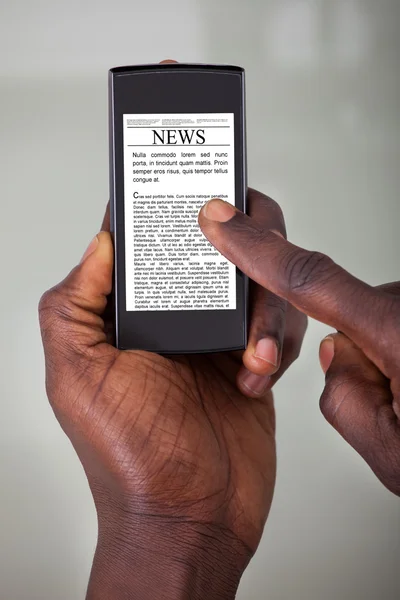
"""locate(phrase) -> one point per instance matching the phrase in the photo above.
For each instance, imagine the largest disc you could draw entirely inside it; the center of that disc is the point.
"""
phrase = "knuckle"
(273, 208)
(55, 314)
(275, 304)
(55, 305)
(264, 206)
(61, 302)
(257, 197)
(344, 385)
(48, 306)
(268, 316)
(304, 269)
(46, 299)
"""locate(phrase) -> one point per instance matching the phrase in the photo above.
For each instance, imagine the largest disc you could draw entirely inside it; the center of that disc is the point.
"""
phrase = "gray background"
(323, 101)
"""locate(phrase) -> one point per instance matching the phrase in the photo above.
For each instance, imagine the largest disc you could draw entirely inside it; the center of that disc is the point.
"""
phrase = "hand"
(362, 393)
(180, 462)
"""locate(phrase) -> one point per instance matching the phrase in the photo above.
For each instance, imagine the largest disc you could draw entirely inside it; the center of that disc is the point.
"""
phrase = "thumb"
(357, 401)
(92, 279)
(70, 313)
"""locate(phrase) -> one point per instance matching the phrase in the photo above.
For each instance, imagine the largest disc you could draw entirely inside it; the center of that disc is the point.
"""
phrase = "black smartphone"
(177, 139)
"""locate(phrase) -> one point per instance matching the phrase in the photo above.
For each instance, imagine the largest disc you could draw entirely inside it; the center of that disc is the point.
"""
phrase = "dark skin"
(179, 452)
(361, 398)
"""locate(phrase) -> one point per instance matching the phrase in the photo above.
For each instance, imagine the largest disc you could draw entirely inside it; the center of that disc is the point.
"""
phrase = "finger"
(267, 327)
(267, 319)
(357, 402)
(310, 281)
(254, 385)
(266, 211)
(70, 313)
(296, 327)
(390, 288)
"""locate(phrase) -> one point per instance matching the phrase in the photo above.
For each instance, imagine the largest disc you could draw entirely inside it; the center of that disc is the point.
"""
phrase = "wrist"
(165, 557)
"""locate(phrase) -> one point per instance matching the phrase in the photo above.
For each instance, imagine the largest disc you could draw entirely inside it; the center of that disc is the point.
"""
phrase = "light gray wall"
(323, 99)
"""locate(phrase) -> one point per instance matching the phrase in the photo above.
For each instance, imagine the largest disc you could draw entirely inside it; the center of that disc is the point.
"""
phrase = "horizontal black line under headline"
(179, 126)
(174, 145)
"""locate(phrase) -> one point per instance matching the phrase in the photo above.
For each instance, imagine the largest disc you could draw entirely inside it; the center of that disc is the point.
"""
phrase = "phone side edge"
(112, 202)
(245, 208)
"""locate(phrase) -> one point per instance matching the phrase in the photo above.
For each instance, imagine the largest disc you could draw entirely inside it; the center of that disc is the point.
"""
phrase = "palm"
(167, 437)
(184, 441)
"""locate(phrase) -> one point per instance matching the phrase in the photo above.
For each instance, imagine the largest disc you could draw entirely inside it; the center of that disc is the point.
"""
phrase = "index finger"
(310, 281)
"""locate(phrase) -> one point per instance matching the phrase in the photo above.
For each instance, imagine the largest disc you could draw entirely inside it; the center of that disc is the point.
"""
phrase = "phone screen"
(173, 164)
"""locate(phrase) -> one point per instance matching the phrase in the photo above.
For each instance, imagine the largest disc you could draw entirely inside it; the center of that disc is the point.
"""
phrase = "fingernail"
(276, 232)
(91, 248)
(326, 353)
(218, 210)
(267, 350)
(256, 384)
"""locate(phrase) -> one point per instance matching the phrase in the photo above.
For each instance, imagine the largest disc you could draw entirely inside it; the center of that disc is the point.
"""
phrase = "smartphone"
(177, 139)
